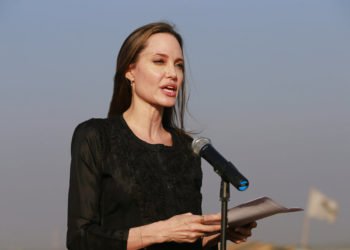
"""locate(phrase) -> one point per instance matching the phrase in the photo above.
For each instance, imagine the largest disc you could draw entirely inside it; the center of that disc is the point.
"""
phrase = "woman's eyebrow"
(165, 55)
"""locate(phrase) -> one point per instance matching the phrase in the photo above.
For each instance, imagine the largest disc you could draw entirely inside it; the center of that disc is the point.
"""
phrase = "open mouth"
(170, 90)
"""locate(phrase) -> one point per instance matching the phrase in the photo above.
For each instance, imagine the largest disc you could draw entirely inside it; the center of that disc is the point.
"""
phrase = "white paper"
(256, 210)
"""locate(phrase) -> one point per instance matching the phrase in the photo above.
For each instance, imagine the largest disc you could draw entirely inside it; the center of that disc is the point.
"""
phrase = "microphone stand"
(224, 197)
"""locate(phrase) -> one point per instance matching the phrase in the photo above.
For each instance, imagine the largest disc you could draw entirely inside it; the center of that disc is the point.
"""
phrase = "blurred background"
(269, 85)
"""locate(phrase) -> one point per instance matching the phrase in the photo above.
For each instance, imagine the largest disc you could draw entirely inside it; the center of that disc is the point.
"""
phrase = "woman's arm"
(184, 228)
(85, 231)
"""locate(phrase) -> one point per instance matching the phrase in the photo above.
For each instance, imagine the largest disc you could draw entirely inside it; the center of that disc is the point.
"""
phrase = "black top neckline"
(155, 146)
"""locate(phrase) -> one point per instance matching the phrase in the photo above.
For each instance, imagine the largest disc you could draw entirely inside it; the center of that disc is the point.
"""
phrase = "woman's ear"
(129, 73)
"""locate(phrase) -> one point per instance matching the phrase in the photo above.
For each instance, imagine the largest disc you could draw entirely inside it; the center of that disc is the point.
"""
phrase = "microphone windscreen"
(199, 143)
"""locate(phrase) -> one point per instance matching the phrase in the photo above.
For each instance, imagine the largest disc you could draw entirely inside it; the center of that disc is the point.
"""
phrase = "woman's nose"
(171, 71)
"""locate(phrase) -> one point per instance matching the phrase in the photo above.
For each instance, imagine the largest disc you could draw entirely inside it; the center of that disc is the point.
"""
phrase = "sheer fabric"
(118, 181)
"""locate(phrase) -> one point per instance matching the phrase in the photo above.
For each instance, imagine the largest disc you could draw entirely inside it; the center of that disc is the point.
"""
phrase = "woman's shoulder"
(184, 139)
(93, 123)
(183, 135)
(93, 128)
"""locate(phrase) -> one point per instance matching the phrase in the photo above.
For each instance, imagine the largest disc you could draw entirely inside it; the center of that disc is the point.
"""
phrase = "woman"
(134, 181)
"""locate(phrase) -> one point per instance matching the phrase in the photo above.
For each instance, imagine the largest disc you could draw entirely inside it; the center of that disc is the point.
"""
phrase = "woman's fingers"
(211, 218)
(202, 223)
(207, 219)
(198, 227)
(240, 234)
(243, 231)
(236, 237)
(188, 227)
(251, 225)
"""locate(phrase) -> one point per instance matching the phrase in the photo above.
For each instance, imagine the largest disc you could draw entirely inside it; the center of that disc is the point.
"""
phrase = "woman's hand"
(187, 228)
(183, 228)
(240, 234)
(234, 234)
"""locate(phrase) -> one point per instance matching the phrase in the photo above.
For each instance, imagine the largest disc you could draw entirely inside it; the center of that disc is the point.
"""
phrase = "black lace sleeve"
(85, 229)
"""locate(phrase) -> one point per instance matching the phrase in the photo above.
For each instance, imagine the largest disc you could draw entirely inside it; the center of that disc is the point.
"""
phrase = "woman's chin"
(167, 102)
(169, 105)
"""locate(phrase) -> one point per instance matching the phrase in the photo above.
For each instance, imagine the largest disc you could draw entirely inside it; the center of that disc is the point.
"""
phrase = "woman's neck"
(146, 123)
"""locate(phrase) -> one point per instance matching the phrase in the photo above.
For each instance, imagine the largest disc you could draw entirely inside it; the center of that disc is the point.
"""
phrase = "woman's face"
(158, 73)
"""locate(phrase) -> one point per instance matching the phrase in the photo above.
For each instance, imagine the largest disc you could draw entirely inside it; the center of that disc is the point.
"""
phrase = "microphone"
(202, 147)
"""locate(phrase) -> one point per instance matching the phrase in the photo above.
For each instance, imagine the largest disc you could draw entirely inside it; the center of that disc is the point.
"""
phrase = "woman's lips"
(169, 90)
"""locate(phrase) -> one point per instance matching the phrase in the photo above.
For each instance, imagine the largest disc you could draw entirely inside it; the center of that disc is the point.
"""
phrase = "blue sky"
(269, 84)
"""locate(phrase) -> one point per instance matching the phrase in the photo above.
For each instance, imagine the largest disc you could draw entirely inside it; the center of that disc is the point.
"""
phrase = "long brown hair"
(173, 117)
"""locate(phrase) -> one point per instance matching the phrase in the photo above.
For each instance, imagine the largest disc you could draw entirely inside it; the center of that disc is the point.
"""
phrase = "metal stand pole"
(224, 197)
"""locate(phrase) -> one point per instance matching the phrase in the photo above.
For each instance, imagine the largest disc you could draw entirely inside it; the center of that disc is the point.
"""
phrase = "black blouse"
(118, 181)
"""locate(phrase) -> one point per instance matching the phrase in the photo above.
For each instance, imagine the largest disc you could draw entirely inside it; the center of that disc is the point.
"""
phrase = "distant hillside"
(258, 246)
(268, 246)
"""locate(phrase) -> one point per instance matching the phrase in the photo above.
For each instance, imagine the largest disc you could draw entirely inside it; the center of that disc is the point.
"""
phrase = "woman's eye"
(180, 66)
(158, 61)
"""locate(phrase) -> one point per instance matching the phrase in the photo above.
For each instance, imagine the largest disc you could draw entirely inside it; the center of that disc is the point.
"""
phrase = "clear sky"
(269, 83)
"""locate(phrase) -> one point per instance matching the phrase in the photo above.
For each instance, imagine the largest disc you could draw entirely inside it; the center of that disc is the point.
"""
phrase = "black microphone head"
(199, 143)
